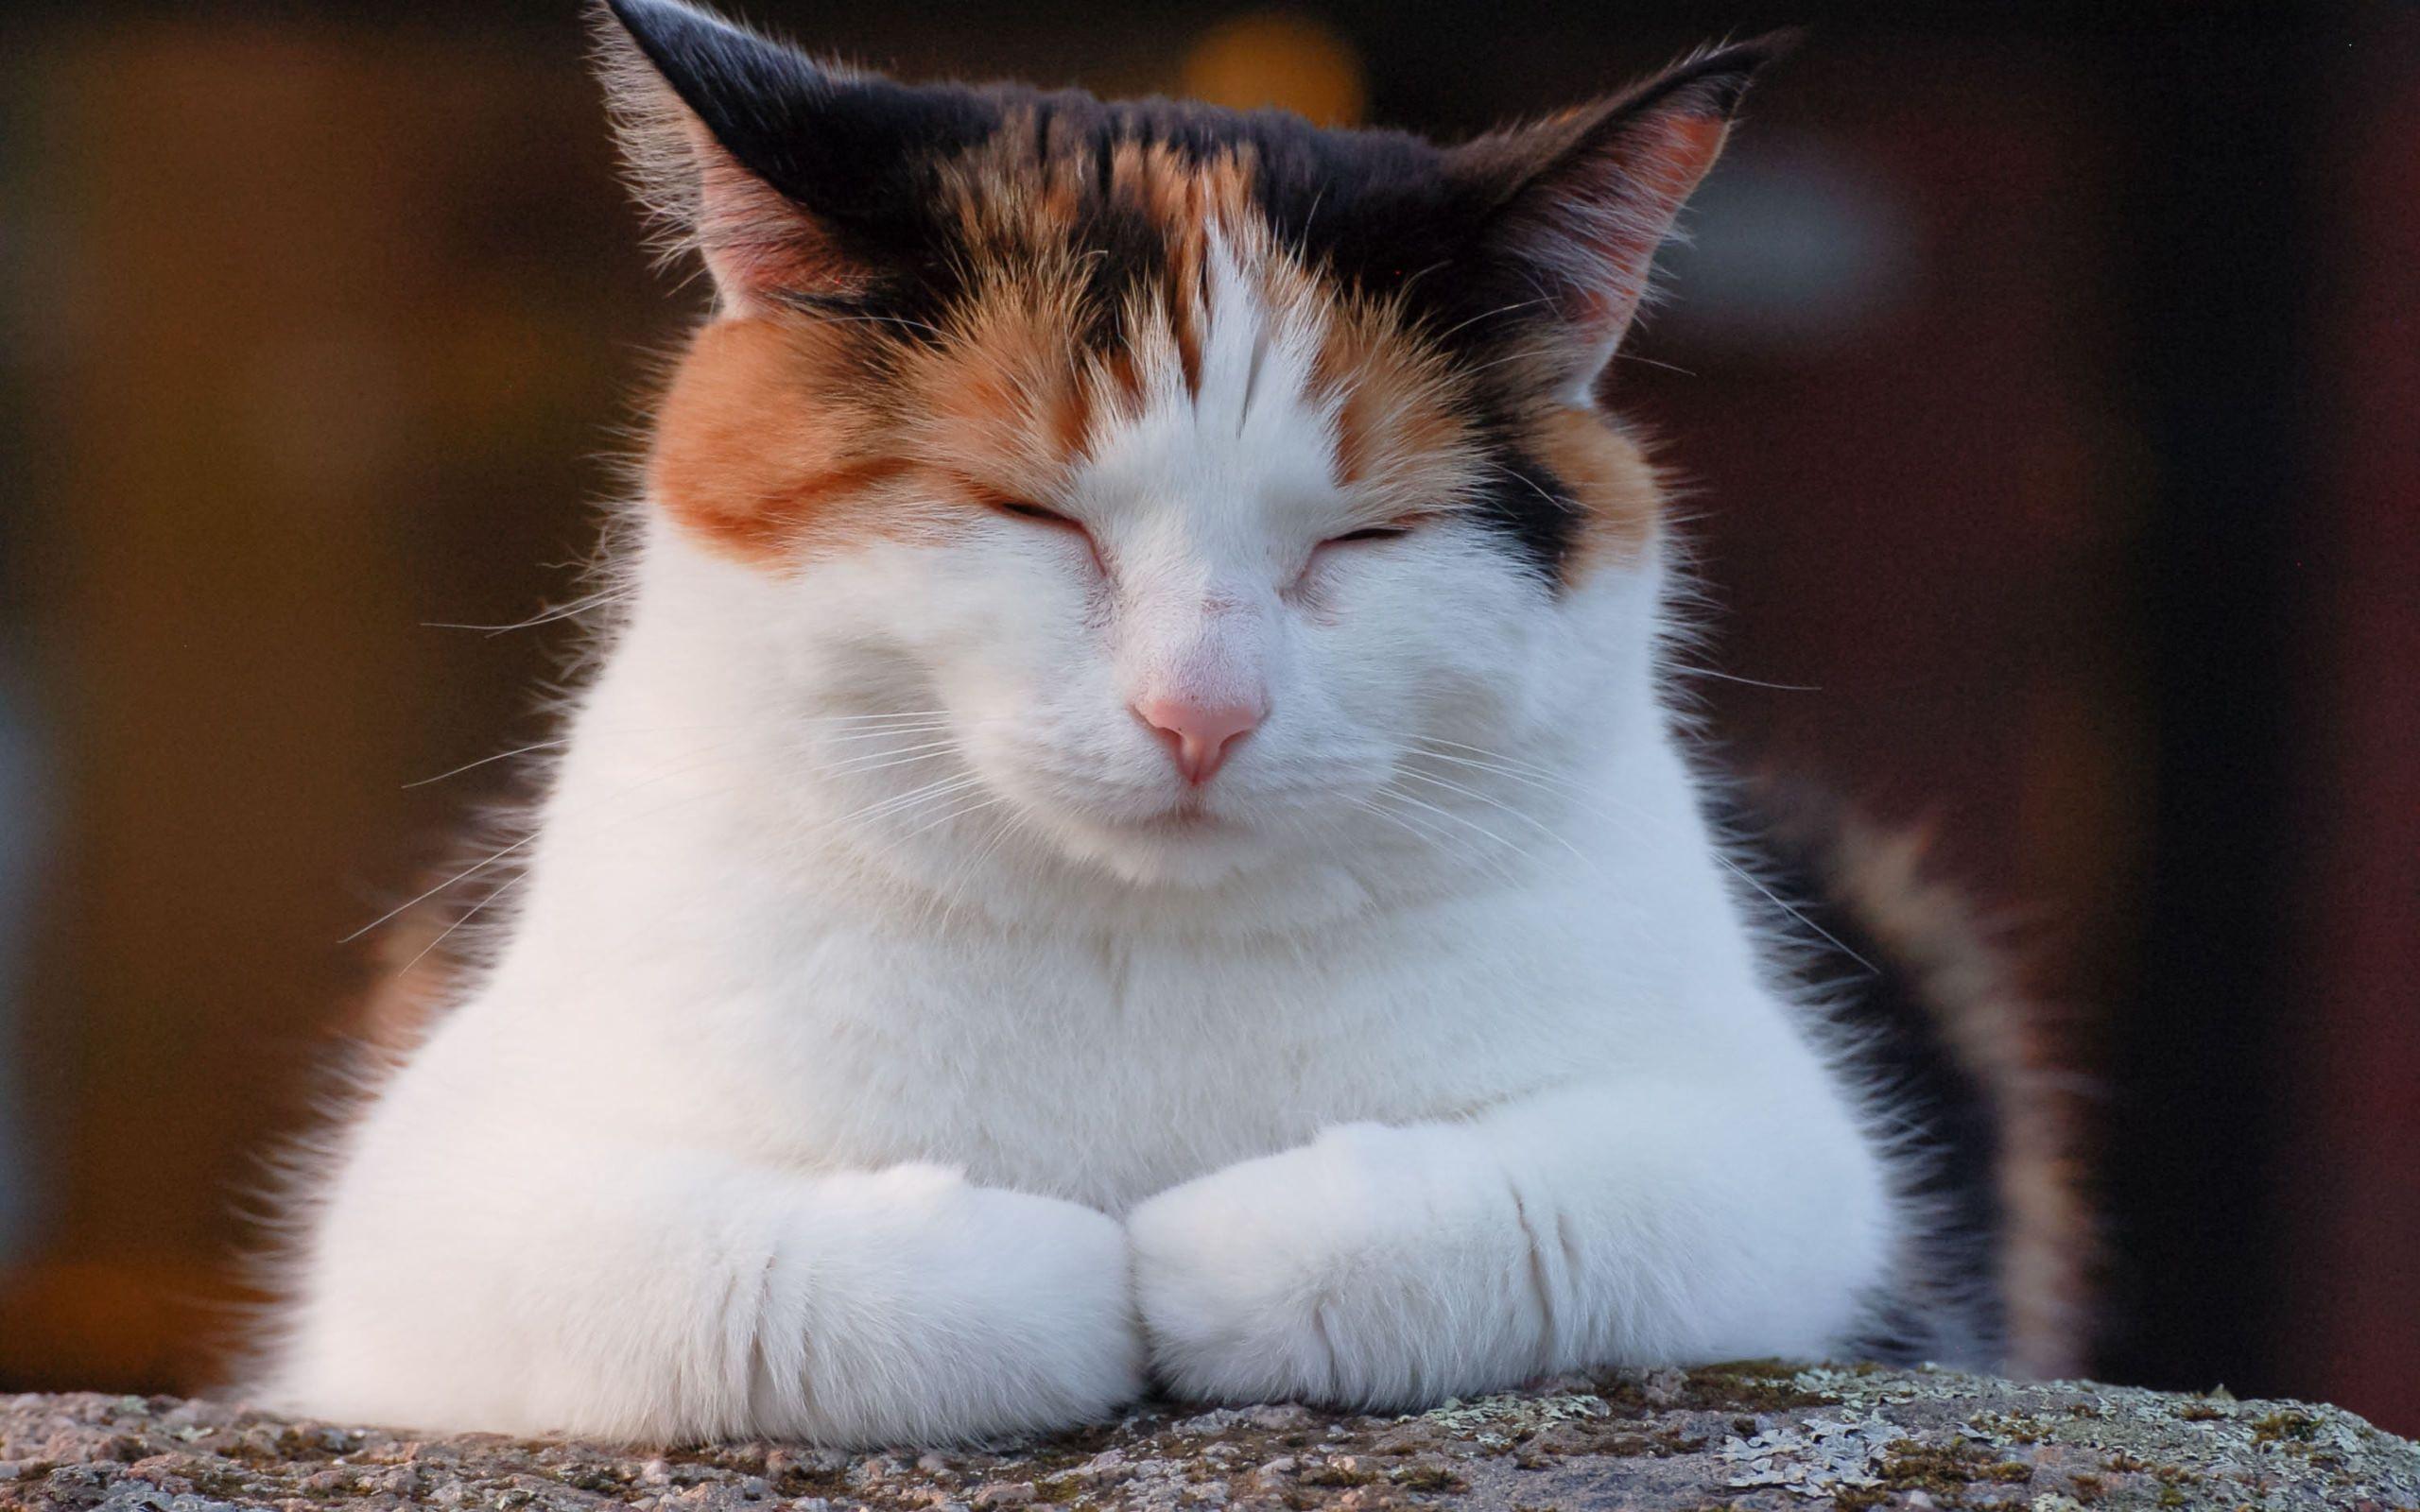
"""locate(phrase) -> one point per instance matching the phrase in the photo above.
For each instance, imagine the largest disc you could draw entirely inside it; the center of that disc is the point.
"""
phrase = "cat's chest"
(1106, 1070)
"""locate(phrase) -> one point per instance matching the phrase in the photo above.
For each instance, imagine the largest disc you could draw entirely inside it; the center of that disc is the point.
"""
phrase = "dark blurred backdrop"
(2049, 376)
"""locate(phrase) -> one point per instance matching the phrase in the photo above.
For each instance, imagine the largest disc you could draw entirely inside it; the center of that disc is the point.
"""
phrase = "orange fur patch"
(1400, 427)
(758, 451)
(1007, 399)
(1609, 477)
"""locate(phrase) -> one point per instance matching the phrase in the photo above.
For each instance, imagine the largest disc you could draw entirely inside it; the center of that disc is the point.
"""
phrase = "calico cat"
(1131, 837)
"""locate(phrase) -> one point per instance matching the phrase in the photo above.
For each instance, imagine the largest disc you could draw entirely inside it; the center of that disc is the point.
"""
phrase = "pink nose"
(1199, 735)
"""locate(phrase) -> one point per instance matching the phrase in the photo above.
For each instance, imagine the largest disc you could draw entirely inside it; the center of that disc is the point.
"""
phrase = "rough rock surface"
(1731, 1436)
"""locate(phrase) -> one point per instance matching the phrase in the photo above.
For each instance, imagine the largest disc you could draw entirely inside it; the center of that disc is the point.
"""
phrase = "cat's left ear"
(1576, 206)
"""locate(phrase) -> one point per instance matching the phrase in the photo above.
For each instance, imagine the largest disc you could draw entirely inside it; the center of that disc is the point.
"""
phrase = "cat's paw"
(939, 1311)
(1375, 1266)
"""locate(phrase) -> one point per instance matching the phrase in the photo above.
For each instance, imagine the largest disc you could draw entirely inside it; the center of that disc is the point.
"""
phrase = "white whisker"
(545, 616)
(489, 761)
(1491, 801)
(1753, 682)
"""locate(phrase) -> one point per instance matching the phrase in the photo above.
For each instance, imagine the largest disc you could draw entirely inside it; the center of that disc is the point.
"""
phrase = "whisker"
(1753, 682)
(913, 798)
(1496, 760)
(1524, 354)
(1650, 362)
(920, 728)
(545, 616)
(882, 759)
(1453, 845)
(945, 900)
(1767, 893)
(1461, 819)
(1491, 801)
(489, 761)
(877, 718)
(464, 875)
(525, 841)
(960, 812)
(1450, 331)
(521, 878)
(467, 915)
(1532, 485)
(892, 724)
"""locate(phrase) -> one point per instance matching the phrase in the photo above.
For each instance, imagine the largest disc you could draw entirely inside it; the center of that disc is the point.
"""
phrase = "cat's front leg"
(1607, 1223)
(668, 1295)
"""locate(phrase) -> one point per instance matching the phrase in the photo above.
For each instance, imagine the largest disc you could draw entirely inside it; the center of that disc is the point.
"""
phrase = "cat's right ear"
(790, 178)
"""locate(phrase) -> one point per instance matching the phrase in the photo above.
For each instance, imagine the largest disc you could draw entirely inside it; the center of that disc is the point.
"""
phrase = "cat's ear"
(787, 176)
(1577, 205)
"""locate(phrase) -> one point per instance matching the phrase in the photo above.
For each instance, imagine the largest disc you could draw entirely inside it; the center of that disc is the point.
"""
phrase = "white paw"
(953, 1312)
(1376, 1267)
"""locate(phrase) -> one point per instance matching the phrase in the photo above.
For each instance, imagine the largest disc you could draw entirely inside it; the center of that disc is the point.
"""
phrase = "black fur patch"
(1951, 1298)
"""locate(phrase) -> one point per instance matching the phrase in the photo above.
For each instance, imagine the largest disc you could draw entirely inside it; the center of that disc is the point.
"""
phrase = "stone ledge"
(1738, 1436)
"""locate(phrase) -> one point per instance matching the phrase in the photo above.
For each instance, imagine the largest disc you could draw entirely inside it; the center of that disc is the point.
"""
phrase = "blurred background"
(2048, 375)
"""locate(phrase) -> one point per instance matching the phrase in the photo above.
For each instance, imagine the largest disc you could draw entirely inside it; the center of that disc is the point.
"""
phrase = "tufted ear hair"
(790, 178)
(1577, 205)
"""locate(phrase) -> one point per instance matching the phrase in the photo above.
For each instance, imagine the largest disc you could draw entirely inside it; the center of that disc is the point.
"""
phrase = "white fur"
(864, 1074)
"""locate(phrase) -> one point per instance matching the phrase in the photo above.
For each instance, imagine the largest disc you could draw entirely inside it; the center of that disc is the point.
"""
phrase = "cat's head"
(1193, 489)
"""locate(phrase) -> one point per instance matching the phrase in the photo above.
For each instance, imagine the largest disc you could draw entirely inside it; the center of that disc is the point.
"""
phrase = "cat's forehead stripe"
(1124, 230)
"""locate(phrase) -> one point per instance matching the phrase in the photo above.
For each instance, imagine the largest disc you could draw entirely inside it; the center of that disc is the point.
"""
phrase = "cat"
(1133, 834)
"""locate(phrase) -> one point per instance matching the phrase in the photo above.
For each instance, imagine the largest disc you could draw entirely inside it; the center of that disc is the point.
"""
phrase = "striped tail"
(1932, 1016)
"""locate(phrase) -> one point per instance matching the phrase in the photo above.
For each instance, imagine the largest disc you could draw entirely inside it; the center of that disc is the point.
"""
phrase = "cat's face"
(1174, 488)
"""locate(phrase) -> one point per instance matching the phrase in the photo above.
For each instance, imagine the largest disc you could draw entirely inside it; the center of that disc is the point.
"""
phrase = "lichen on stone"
(1758, 1436)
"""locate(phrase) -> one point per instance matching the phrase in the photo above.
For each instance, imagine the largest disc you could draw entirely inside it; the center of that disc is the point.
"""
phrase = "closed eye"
(1026, 510)
(1067, 525)
(1369, 533)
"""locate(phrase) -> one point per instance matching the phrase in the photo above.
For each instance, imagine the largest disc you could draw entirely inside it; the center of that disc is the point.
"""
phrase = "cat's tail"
(1966, 1068)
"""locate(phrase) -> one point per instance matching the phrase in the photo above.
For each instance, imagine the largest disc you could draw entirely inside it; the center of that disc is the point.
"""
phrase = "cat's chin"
(1184, 847)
